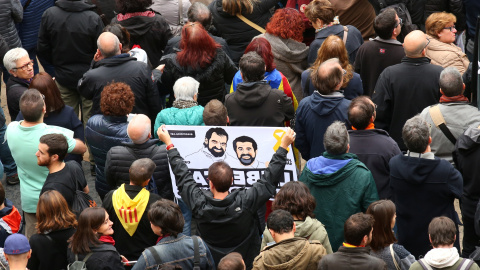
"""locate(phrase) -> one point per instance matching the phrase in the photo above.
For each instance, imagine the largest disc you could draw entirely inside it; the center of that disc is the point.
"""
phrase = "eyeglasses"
(450, 28)
(26, 66)
(400, 22)
(428, 42)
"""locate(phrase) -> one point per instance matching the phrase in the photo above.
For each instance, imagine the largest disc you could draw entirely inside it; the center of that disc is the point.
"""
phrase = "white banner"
(247, 150)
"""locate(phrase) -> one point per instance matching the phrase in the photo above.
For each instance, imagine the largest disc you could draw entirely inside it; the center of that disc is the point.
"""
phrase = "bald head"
(328, 77)
(139, 129)
(109, 45)
(414, 44)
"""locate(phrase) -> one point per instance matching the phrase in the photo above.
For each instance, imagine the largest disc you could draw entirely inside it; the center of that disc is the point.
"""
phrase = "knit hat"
(16, 244)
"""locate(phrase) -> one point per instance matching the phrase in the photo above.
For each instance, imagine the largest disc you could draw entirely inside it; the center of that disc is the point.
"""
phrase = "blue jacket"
(32, 17)
(192, 116)
(176, 251)
(102, 133)
(314, 114)
(353, 89)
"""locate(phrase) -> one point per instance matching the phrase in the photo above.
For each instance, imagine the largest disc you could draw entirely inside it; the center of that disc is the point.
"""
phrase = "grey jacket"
(11, 12)
(458, 117)
(170, 11)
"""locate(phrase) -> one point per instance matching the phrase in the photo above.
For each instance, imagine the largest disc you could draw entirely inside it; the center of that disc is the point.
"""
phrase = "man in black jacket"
(119, 158)
(66, 40)
(128, 206)
(227, 221)
(374, 147)
(111, 65)
(405, 89)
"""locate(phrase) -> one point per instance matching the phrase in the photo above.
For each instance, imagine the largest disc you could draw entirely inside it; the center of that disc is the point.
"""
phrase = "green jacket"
(192, 116)
(311, 228)
(342, 186)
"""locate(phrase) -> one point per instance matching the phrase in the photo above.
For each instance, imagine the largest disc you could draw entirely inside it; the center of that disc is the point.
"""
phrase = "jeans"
(187, 215)
(5, 155)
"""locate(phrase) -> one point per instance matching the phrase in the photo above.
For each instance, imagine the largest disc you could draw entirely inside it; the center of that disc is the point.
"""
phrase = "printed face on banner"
(247, 150)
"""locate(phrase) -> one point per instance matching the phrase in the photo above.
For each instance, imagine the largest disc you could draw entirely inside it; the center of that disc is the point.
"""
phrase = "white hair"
(12, 56)
(185, 88)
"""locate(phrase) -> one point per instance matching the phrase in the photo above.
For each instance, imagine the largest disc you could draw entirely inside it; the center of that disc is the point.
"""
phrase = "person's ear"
(441, 92)
(228, 120)
(429, 140)
(206, 141)
(294, 227)
(120, 46)
(29, 254)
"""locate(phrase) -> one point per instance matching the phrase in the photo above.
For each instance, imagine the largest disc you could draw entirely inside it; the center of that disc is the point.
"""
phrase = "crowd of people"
(375, 101)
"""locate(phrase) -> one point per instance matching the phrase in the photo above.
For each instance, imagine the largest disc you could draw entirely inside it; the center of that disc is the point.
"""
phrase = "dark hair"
(442, 231)
(286, 23)
(215, 114)
(117, 99)
(327, 76)
(384, 23)
(263, 48)
(383, 212)
(44, 83)
(221, 175)
(166, 215)
(415, 134)
(122, 34)
(244, 139)
(129, 6)
(57, 145)
(31, 105)
(356, 227)
(219, 131)
(320, 9)
(360, 111)
(90, 219)
(280, 221)
(53, 213)
(295, 197)
(198, 48)
(141, 170)
(252, 67)
(199, 12)
(231, 261)
(2, 193)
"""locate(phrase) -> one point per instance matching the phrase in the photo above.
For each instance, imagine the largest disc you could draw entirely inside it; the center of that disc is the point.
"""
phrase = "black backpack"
(403, 13)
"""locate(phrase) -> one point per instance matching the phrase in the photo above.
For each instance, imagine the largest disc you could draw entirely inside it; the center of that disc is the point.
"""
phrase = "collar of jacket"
(340, 157)
(416, 61)
(366, 132)
(144, 145)
(74, 5)
(389, 41)
(116, 119)
(331, 30)
(116, 60)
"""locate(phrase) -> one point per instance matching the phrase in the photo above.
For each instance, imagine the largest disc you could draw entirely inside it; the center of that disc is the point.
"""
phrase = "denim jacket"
(176, 251)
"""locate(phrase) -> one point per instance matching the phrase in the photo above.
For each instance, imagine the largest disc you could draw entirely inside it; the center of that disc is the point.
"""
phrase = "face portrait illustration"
(217, 144)
(245, 153)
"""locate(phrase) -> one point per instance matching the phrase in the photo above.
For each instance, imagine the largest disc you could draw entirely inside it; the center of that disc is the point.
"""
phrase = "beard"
(215, 153)
(246, 159)
(43, 163)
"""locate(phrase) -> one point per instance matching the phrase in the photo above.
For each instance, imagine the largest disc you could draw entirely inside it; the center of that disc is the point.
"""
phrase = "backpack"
(403, 13)
(79, 265)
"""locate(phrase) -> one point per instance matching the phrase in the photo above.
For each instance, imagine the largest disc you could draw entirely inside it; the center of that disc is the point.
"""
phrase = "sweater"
(402, 257)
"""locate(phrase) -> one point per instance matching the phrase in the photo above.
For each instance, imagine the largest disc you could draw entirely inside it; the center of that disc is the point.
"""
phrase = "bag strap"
(439, 121)
(345, 34)
(86, 257)
(393, 257)
(465, 264)
(252, 24)
(196, 253)
(155, 255)
(424, 265)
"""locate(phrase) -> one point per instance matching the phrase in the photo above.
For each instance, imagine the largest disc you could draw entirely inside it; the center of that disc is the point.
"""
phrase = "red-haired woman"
(202, 59)
(274, 77)
(57, 113)
(285, 34)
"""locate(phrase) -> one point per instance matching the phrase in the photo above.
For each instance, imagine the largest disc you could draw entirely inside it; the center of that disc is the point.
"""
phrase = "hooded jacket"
(310, 228)
(422, 189)
(342, 186)
(10, 221)
(257, 104)
(292, 253)
(70, 47)
(212, 78)
(192, 116)
(314, 114)
(445, 259)
(150, 33)
(290, 57)
(122, 68)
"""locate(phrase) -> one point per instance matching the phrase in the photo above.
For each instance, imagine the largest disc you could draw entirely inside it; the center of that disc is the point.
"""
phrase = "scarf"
(129, 211)
(107, 239)
(350, 246)
(370, 126)
(335, 21)
(122, 17)
(183, 104)
(459, 98)
(442, 257)
(161, 237)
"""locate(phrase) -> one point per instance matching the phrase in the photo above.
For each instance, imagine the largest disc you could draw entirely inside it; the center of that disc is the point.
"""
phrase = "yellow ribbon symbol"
(278, 134)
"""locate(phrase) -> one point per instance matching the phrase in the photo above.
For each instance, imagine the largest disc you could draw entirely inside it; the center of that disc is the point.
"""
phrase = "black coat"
(351, 258)
(212, 79)
(50, 254)
(15, 88)
(104, 257)
(119, 159)
(375, 148)
(257, 104)
(237, 33)
(11, 12)
(173, 45)
(151, 33)
(122, 68)
(421, 9)
(404, 90)
(70, 47)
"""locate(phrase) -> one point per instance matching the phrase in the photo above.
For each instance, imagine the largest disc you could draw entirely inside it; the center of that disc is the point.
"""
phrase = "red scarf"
(370, 126)
(163, 236)
(459, 98)
(107, 239)
(122, 17)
